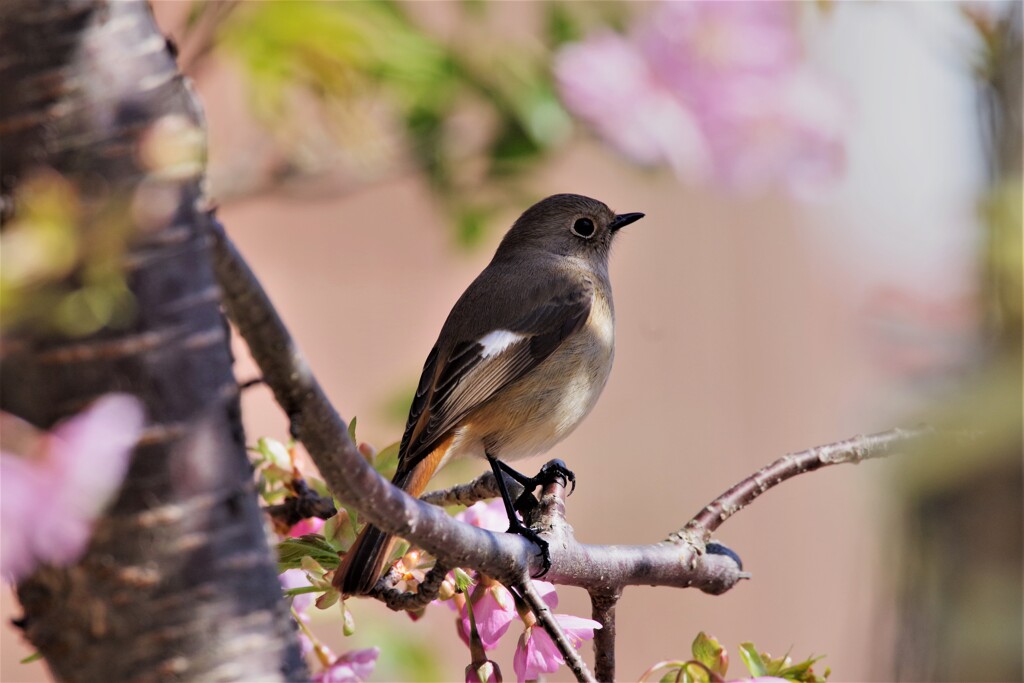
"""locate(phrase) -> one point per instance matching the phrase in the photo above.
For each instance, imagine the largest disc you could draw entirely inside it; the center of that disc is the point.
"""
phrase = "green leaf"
(513, 147)
(311, 566)
(34, 657)
(327, 599)
(319, 486)
(386, 461)
(353, 515)
(694, 672)
(339, 531)
(291, 551)
(560, 25)
(752, 659)
(709, 652)
(274, 453)
(470, 225)
(352, 429)
(803, 672)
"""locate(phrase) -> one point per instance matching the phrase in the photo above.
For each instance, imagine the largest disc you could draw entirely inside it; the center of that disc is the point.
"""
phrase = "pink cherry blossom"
(56, 485)
(352, 667)
(494, 612)
(310, 525)
(716, 90)
(296, 578)
(537, 654)
(547, 593)
(490, 516)
(607, 82)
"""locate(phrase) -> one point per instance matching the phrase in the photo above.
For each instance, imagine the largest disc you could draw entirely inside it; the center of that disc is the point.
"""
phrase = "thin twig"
(483, 487)
(602, 610)
(424, 594)
(852, 450)
(572, 657)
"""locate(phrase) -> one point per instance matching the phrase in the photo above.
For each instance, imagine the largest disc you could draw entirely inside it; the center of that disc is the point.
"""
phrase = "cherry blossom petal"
(296, 578)
(547, 593)
(51, 498)
(537, 654)
(310, 525)
(717, 91)
(352, 667)
(490, 516)
(493, 613)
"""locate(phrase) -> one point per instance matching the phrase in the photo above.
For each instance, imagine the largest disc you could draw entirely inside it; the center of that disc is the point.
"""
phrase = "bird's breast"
(537, 411)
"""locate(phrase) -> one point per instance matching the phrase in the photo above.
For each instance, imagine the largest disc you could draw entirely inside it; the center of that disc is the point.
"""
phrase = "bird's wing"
(463, 377)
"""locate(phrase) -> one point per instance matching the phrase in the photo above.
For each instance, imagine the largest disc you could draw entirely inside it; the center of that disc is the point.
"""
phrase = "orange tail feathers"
(364, 562)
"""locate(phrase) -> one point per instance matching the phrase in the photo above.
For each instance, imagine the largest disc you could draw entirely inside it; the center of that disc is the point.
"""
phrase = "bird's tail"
(364, 562)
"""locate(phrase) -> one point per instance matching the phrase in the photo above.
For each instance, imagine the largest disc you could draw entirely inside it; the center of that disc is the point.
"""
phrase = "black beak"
(624, 219)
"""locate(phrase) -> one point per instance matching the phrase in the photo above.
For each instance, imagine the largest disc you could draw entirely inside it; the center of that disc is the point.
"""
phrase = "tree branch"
(483, 487)
(602, 610)
(601, 569)
(424, 594)
(852, 450)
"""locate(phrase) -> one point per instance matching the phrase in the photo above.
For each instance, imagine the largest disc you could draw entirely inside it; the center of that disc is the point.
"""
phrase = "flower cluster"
(488, 610)
(716, 90)
(308, 552)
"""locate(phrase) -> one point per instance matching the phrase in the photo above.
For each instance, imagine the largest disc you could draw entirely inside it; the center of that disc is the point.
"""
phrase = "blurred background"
(831, 247)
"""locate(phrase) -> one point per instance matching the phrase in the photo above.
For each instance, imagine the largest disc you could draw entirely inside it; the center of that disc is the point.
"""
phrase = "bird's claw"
(526, 532)
(556, 471)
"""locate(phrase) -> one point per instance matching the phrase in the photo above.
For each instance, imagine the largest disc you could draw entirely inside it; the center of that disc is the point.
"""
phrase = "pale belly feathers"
(534, 413)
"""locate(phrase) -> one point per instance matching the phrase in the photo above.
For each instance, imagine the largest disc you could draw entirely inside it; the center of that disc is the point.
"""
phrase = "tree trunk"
(178, 581)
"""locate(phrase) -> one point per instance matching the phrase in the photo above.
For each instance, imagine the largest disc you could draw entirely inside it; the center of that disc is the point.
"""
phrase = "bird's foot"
(517, 527)
(553, 471)
(556, 471)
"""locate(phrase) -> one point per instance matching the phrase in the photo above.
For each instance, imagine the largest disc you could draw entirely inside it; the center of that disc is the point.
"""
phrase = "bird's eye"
(584, 227)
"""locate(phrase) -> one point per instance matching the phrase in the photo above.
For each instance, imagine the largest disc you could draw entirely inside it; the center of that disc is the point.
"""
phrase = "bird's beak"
(624, 219)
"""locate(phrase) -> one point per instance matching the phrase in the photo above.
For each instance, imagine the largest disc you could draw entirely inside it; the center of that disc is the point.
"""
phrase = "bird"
(519, 363)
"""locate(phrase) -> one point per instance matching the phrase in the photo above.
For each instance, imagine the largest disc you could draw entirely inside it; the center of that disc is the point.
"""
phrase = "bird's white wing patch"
(497, 341)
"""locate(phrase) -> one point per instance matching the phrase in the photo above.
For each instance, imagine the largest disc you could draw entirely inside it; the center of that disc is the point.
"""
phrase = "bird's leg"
(515, 525)
(552, 471)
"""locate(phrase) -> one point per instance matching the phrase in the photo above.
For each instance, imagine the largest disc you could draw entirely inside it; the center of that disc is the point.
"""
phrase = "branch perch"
(603, 570)
(852, 450)
(425, 593)
(483, 487)
(602, 610)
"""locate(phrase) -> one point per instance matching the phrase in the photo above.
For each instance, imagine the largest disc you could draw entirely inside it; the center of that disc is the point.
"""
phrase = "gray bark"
(178, 582)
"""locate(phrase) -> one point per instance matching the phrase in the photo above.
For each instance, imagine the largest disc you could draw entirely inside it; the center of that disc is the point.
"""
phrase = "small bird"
(520, 361)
